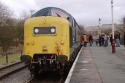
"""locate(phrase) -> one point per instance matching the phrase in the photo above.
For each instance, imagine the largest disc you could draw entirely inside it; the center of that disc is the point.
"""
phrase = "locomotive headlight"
(36, 30)
(52, 30)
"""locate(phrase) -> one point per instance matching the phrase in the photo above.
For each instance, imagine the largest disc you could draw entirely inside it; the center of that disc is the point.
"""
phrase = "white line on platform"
(85, 61)
(84, 69)
(72, 68)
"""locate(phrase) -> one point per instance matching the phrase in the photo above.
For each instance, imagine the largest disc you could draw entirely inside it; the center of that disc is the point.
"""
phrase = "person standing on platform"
(97, 40)
(85, 39)
(100, 40)
(106, 40)
(124, 39)
(90, 40)
(117, 40)
(111, 39)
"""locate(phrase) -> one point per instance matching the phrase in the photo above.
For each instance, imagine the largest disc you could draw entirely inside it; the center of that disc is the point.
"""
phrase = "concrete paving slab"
(99, 65)
(110, 66)
(85, 70)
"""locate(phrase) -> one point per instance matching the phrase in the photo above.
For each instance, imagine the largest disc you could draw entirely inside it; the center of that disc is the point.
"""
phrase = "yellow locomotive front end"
(51, 41)
(46, 43)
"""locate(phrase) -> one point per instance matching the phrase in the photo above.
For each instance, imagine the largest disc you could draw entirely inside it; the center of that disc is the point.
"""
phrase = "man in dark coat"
(124, 39)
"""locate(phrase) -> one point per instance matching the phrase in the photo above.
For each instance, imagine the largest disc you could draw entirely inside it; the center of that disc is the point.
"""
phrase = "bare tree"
(7, 33)
(11, 29)
(20, 26)
(6, 40)
(5, 14)
(20, 30)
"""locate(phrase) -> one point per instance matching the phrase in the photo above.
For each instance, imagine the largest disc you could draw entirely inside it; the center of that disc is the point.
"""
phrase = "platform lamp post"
(99, 26)
(113, 38)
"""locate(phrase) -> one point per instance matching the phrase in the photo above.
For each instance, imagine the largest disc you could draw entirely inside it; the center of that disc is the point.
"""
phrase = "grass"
(11, 58)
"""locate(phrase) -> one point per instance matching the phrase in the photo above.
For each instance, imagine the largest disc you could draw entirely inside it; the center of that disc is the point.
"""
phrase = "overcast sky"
(86, 12)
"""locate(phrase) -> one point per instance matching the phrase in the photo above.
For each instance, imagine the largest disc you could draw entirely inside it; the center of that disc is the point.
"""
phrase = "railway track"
(48, 77)
(10, 69)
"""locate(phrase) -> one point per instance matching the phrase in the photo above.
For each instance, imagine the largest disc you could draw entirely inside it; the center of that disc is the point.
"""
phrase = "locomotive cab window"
(44, 30)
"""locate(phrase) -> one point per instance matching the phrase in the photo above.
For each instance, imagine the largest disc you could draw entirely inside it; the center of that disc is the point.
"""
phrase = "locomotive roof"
(51, 11)
(54, 11)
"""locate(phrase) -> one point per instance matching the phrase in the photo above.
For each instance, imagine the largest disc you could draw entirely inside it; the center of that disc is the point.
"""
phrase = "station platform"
(99, 65)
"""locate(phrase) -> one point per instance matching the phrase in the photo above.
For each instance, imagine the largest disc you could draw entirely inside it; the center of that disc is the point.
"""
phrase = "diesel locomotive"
(52, 38)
